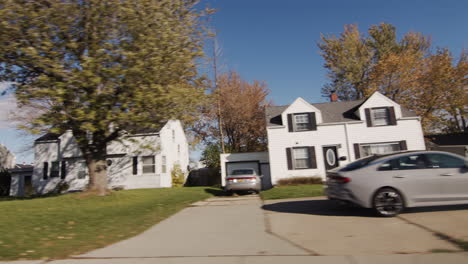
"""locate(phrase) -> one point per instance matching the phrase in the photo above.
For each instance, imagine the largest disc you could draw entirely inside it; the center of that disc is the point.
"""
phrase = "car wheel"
(388, 202)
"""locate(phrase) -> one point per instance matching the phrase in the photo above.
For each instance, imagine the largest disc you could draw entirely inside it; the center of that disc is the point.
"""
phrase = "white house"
(143, 160)
(307, 139)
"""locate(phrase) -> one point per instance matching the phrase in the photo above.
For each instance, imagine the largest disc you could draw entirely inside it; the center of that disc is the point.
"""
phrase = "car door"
(412, 175)
(454, 174)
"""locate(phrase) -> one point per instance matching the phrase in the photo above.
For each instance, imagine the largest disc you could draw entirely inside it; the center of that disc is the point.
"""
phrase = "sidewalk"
(224, 231)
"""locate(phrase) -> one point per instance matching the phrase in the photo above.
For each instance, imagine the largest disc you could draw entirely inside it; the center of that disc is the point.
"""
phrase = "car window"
(242, 172)
(437, 160)
(359, 163)
(409, 162)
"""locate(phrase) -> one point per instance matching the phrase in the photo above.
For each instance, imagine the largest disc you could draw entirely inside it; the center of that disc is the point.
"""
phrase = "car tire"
(388, 202)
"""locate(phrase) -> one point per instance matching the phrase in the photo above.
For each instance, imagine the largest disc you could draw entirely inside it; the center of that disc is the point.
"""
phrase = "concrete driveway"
(236, 230)
(328, 228)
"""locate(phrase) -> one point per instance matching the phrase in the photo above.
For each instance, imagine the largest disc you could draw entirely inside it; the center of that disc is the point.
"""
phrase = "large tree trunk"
(97, 168)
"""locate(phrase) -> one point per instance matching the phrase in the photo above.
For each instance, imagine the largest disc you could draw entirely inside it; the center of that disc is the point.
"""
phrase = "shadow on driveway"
(334, 208)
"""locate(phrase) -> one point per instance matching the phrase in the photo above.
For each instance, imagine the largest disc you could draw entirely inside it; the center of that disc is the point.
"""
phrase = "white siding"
(340, 134)
(378, 100)
(121, 153)
(175, 149)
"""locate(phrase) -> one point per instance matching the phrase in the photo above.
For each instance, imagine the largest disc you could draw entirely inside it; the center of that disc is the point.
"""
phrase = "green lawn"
(56, 227)
(296, 191)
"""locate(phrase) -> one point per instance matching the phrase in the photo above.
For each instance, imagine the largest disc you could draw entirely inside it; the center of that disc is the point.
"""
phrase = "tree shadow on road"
(335, 208)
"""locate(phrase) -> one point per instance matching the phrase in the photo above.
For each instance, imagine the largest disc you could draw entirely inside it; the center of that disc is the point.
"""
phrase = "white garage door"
(230, 166)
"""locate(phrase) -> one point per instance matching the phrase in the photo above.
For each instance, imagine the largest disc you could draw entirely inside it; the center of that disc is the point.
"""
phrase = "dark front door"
(330, 156)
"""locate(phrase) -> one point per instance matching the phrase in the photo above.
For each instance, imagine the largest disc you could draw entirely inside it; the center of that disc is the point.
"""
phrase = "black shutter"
(63, 170)
(403, 145)
(290, 123)
(289, 158)
(391, 114)
(312, 121)
(135, 165)
(356, 151)
(45, 170)
(313, 160)
(368, 117)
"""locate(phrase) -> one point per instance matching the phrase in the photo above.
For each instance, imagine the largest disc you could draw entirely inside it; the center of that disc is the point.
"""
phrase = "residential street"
(237, 230)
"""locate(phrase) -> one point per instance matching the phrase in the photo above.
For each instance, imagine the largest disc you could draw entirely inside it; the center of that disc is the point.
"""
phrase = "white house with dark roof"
(307, 139)
(143, 160)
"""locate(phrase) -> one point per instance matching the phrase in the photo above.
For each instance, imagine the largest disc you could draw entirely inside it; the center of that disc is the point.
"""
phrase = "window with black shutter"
(301, 158)
(45, 171)
(302, 122)
(380, 116)
(135, 165)
(63, 170)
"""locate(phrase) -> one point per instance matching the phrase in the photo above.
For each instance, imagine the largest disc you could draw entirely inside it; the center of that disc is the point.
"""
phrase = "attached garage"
(252, 160)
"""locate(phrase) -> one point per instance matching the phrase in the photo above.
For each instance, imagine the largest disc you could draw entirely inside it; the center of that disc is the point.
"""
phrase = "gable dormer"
(301, 116)
(379, 110)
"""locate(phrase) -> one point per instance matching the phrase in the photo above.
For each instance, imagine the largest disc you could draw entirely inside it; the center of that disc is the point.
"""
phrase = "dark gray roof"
(339, 111)
(273, 115)
(331, 112)
(48, 137)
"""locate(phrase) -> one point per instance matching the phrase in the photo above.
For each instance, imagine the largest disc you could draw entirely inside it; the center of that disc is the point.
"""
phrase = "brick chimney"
(333, 97)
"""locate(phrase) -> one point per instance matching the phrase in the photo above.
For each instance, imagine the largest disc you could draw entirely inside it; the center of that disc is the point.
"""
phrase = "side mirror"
(343, 158)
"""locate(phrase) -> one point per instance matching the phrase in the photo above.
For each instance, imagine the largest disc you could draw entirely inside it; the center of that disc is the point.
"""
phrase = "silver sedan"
(389, 183)
(243, 180)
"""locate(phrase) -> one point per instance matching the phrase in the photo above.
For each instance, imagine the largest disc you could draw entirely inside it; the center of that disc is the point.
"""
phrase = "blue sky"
(276, 41)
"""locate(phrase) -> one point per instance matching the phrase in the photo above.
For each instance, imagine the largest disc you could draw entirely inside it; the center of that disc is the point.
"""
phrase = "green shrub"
(299, 181)
(178, 177)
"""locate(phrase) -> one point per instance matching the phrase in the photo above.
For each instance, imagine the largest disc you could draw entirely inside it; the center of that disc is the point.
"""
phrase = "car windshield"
(242, 172)
(360, 163)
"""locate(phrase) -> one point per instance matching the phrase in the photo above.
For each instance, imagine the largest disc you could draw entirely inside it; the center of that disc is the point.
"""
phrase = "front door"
(330, 156)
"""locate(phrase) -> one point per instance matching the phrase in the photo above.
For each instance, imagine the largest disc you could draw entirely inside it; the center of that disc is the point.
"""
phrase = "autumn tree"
(242, 112)
(440, 98)
(352, 59)
(404, 70)
(102, 68)
(348, 59)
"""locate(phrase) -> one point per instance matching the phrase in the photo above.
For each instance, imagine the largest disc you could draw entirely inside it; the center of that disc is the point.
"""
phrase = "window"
(380, 117)
(54, 169)
(163, 164)
(444, 161)
(82, 167)
(301, 158)
(359, 163)
(135, 165)
(379, 148)
(148, 164)
(243, 172)
(410, 162)
(63, 170)
(302, 122)
(45, 170)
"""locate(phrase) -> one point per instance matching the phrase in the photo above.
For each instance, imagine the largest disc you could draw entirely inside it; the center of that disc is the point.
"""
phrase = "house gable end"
(378, 100)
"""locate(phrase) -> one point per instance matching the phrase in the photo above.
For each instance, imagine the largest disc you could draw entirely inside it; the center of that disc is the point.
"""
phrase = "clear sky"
(276, 41)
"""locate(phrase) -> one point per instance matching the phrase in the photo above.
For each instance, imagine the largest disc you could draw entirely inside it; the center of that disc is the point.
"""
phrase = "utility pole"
(218, 94)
